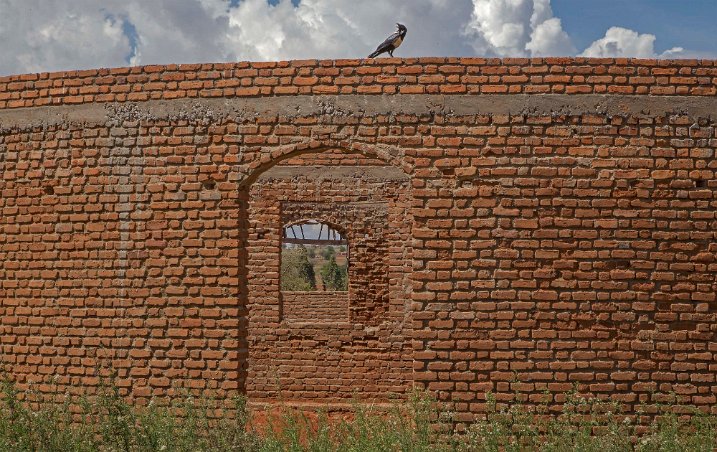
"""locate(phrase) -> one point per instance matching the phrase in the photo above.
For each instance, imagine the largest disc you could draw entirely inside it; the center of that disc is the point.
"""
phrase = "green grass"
(107, 423)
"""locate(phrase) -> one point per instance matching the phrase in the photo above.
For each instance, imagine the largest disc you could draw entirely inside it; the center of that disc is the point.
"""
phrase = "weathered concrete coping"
(361, 105)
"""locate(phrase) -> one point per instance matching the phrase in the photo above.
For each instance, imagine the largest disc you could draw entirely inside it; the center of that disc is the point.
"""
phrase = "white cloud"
(549, 39)
(41, 36)
(675, 52)
(623, 42)
(517, 28)
(51, 35)
(344, 28)
(171, 31)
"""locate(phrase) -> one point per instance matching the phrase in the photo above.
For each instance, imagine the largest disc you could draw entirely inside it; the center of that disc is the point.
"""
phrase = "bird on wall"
(392, 42)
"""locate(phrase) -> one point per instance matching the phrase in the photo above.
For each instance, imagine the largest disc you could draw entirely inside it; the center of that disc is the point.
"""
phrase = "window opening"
(314, 257)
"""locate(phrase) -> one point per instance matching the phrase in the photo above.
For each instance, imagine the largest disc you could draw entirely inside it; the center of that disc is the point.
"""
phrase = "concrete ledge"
(241, 109)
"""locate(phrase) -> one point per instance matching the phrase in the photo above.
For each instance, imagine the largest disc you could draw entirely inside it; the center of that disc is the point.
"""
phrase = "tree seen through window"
(314, 257)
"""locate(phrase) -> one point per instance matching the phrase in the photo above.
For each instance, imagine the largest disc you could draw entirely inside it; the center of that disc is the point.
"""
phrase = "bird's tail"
(375, 54)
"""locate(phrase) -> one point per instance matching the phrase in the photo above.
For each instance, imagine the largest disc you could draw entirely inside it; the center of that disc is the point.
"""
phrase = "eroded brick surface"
(315, 307)
(526, 251)
(369, 347)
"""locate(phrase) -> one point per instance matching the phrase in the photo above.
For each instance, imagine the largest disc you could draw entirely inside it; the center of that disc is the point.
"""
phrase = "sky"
(54, 35)
(312, 230)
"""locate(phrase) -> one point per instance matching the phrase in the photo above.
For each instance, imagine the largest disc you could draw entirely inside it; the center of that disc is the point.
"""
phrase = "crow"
(392, 42)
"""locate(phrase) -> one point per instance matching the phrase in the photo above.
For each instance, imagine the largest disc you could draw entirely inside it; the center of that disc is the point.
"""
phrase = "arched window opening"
(314, 257)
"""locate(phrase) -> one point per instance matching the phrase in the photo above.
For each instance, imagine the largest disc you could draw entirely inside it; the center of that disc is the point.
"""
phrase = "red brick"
(553, 248)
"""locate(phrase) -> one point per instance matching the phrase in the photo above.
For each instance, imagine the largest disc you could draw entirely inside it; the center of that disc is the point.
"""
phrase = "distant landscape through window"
(314, 257)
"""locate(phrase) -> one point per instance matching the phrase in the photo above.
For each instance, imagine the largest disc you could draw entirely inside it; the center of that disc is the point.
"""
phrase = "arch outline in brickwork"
(268, 158)
(273, 155)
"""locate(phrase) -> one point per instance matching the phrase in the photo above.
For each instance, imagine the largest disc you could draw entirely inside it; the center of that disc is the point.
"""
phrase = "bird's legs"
(390, 52)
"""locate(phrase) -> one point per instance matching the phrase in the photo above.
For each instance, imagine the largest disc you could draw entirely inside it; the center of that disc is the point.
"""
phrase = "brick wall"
(526, 226)
(367, 345)
(314, 307)
(379, 76)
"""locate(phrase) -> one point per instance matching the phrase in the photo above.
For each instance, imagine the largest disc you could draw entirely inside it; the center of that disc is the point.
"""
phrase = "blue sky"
(691, 24)
(53, 35)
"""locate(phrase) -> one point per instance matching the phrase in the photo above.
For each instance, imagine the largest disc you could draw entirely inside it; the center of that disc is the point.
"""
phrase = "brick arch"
(381, 311)
(271, 156)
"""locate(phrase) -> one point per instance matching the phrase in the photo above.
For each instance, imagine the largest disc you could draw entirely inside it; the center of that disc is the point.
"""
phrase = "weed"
(107, 422)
